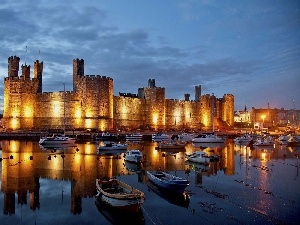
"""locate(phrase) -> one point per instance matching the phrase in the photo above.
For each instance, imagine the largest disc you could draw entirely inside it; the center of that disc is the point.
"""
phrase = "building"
(92, 104)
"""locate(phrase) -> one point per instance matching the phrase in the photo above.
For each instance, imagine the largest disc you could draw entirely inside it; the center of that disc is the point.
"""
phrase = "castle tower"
(197, 93)
(37, 73)
(78, 71)
(25, 72)
(151, 83)
(186, 97)
(13, 66)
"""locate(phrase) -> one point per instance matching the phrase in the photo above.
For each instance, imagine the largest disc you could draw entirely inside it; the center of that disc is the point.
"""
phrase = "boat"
(106, 136)
(181, 199)
(171, 145)
(161, 137)
(134, 137)
(186, 137)
(264, 141)
(118, 216)
(58, 140)
(208, 138)
(112, 146)
(120, 195)
(167, 180)
(134, 155)
(201, 157)
(208, 145)
(245, 139)
(294, 141)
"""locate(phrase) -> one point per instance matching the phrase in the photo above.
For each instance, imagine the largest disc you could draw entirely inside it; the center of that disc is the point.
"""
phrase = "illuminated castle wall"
(92, 104)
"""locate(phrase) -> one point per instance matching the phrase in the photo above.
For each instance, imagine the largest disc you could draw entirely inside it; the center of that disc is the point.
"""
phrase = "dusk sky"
(250, 49)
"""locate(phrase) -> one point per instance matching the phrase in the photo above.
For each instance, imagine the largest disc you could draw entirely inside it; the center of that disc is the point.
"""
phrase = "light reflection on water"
(245, 186)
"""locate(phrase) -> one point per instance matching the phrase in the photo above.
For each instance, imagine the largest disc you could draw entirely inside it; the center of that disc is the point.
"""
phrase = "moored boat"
(167, 180)
(57, 141)
(208, 138)
(201, 157)
(134, 137)
(112, 146)
(264, 141)
(181, 199)
(134, 155)
(119, 194)
(106, 136)
(171, 145)
(245, 139)
(161, 137)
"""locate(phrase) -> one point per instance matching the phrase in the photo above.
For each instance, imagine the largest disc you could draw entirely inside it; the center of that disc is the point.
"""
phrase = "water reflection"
(24, 164)
(181, 199)
(118, 216)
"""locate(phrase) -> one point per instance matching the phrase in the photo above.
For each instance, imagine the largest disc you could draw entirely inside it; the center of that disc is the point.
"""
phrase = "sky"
(250, 49)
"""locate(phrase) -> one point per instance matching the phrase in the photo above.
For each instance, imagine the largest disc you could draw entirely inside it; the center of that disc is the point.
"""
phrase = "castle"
(92, 104)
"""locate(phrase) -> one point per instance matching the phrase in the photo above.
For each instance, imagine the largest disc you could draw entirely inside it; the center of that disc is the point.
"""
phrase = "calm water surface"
(247, 186)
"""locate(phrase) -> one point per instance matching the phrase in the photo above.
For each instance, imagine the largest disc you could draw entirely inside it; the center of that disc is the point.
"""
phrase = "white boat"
(134, 137)
(58, 140)
(208, 138)
(119, 194)
(245, 139)
(161, 137)
(264, 141)
(112, 146)
(135, 156)
(201, 157)
(168, 181)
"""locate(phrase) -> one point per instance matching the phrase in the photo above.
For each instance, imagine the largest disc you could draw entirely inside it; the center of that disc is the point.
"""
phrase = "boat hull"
(120, 195)
(172, 182)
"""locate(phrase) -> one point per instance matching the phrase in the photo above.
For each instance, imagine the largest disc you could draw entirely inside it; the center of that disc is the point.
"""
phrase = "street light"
(263, 118)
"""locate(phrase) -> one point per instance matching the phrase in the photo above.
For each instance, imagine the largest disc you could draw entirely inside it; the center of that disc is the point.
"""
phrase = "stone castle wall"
(92, 104)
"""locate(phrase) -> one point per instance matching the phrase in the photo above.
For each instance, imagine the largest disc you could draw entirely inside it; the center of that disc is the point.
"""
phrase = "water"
(258, 186)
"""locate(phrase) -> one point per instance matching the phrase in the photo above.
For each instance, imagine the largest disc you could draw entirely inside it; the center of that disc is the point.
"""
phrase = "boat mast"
(64, 108)
(213, 111)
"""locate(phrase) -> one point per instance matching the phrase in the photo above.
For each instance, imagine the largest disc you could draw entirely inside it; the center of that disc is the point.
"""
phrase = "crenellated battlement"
(95, 77)
(92, 103)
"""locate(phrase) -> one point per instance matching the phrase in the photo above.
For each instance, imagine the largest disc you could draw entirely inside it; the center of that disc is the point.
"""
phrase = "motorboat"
(208, 138)
(201, 157)
(119, 194)
(167, 180)
(57, 141)
(204, 145)
(134, 137)
(112, 146)
(106, 136)
(245, 139)
(134, 155)
(186, 137)
(171, 145)
(264, 141)
(161, 137)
